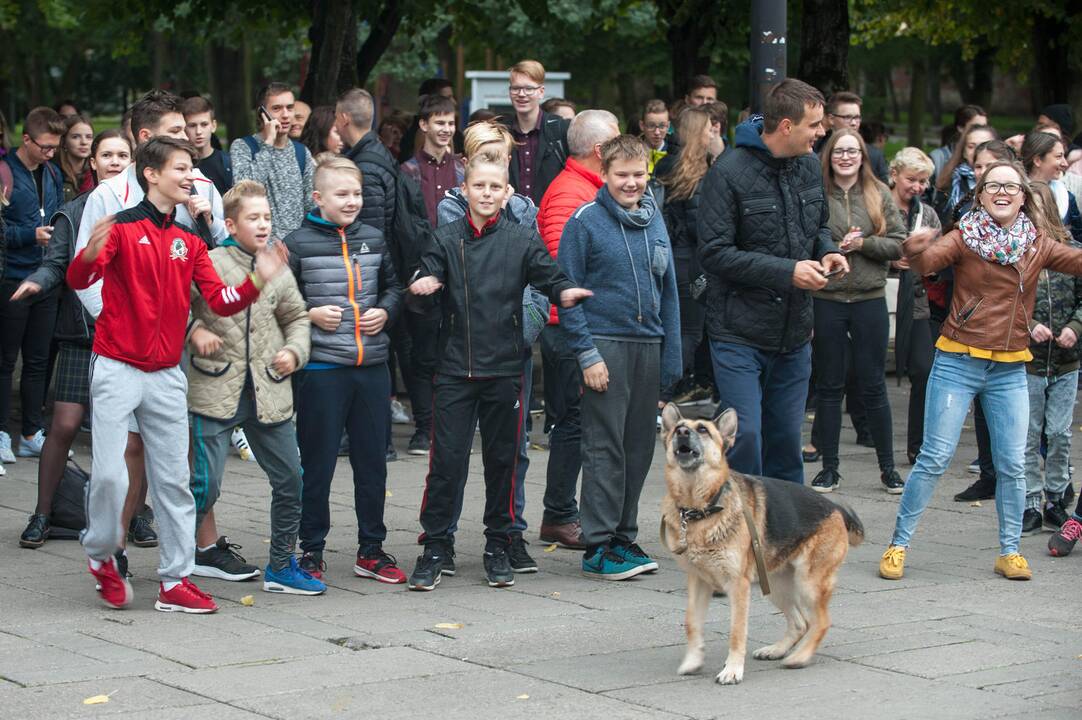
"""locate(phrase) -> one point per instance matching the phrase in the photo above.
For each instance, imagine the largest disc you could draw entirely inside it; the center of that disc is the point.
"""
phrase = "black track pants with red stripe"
(460, 403)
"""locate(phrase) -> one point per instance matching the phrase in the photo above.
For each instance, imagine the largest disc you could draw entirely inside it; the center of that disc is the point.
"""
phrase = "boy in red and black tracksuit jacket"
(147, 264)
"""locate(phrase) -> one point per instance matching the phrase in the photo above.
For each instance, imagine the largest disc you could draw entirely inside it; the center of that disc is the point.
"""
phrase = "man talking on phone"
(275, 160)
(764, 244)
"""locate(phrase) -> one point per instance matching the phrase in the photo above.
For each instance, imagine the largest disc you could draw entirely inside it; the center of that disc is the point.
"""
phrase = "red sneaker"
(373, 563)
(185, 597)
(113, 587)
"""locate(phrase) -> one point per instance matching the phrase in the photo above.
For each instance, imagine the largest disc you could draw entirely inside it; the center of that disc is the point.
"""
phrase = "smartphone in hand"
(265, 115)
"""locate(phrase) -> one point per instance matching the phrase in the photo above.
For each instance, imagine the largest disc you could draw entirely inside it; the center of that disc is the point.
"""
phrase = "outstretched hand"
(918, 241)
(271, 260)
(98, 237)
(573, 296)
(425, 286)
(25, 290)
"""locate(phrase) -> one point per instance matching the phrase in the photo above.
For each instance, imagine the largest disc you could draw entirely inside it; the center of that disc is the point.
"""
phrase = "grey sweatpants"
(275, 449)
(618, 437)
(159, 402)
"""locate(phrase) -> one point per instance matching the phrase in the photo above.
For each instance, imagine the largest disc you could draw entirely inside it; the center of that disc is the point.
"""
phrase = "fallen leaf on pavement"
(523, 696)
(389, 494)
(247, 601)
(449, 626)
(554, 594)
(976, 503)
(98, 699)
(551, 548)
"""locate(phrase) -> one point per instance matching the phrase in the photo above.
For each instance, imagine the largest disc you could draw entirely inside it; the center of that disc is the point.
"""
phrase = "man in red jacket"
(576, 185)
(147, 264)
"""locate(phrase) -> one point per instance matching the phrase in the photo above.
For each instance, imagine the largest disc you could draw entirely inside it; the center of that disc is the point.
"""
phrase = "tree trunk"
(888, 83)
(824, 45)
(935, 87)
(983, 65)
(159, 53)
(233, 95)
(1050, 78)
(687, 33)
(379, 39)
(917, 89)
(333, 28)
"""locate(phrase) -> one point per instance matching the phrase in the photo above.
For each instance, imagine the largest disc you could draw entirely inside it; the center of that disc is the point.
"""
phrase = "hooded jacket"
(758, 216)
(625, 258)
(352, 268)
(484, 272)
(277, 320)
(26, 212)
(868, 267)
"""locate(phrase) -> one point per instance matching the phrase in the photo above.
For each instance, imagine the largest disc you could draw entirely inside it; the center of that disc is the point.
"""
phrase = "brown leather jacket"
(992, 303)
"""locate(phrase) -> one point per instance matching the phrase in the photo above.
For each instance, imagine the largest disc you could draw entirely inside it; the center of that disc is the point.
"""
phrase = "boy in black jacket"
(483, 262)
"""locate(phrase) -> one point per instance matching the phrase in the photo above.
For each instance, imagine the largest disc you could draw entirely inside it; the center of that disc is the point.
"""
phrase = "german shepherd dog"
(804, 539)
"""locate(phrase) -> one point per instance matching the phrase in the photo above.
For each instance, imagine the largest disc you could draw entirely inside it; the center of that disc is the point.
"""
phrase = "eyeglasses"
(655, 126)
(845, 152)
(848, 118)
(524, 90)
(45, 149)
(994, 188)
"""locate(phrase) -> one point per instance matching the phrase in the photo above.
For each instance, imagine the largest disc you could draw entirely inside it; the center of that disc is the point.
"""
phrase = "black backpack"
(410, 232)
(69, 504)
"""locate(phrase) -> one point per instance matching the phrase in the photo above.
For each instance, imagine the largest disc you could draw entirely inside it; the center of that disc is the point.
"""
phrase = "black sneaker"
(521, 562)
(1031, 522)
(892, 481)
(36, 532)
(1054, 516)
(223, 562)
(980, 490)
(826, 481)
(312, 563)
(1067, 500)
(498, 568)
(419, 444)
(426, 573)
(122, 563)
(141, 532)
(448, 568)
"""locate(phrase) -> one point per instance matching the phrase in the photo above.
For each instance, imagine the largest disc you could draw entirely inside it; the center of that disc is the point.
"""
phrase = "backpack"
(69, 504)
(253, 144)
(410, 231)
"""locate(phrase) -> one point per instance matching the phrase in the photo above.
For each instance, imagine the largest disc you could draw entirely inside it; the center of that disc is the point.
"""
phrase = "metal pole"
(768, 48)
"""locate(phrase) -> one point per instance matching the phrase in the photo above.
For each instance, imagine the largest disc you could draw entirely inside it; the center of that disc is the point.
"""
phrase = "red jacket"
(571, 189)
(147, 267)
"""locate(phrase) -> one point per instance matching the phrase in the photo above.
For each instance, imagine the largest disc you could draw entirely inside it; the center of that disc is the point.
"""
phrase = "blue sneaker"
(291, 580)
(632, 553)
(604, 563)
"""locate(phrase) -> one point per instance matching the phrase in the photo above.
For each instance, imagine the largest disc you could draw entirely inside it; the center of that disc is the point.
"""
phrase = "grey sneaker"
(31, 447)
(5, 448)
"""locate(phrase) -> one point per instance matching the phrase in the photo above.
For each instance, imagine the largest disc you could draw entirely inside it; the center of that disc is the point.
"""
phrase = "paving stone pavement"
(951, 640)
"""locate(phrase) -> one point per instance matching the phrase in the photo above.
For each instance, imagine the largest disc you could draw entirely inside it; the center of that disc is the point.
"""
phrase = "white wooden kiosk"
(488, 89)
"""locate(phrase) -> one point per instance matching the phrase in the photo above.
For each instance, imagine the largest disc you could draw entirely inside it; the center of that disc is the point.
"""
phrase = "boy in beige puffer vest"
(239, 375)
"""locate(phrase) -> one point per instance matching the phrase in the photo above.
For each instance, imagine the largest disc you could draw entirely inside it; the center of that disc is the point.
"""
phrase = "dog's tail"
(852, 524)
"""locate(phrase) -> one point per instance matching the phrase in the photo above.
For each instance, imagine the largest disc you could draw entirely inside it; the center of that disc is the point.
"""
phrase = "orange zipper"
(352, 296)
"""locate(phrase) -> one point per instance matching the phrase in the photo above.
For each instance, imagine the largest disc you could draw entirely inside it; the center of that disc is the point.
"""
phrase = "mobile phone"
(266, 115)
(833, 272)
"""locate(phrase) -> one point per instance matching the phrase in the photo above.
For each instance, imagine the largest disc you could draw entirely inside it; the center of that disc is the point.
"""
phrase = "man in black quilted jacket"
(764, 243)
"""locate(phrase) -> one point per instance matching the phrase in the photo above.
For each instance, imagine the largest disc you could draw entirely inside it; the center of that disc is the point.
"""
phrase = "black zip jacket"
(73, 323)
(552, 155)
(483, 276)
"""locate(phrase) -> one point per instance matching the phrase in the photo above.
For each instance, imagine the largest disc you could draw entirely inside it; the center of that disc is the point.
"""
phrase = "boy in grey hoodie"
(627, 341)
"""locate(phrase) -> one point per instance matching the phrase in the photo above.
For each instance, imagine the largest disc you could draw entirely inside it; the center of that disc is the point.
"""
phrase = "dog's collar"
(712, 507)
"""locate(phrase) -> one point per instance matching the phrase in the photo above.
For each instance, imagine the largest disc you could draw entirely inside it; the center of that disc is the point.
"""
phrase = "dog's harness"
(714, 506)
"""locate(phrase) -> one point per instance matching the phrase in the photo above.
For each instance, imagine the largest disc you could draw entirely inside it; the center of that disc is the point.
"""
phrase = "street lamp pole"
(768, 48)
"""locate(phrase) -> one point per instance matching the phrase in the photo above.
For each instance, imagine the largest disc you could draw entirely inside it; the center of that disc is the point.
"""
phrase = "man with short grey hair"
(576, 185)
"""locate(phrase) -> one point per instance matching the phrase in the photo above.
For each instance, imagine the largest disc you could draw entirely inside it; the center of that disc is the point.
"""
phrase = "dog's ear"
(726, 425)
(670, 416)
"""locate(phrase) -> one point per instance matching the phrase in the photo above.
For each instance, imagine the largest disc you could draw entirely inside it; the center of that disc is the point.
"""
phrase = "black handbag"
(69, 504)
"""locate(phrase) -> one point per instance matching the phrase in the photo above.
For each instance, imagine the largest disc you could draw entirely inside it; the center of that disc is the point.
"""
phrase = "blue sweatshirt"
(626, 260)
(26, 214)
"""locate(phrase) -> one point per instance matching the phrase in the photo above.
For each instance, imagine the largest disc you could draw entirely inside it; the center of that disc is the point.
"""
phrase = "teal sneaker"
(635, 554)
(604, 563)
(291, 580)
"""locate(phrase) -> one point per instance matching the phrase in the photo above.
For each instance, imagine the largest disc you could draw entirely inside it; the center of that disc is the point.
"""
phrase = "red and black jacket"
(147, 266)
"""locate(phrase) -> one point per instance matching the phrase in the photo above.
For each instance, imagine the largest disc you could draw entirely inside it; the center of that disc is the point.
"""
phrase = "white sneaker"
(3, 472)
(31, 447)
(398, 414)
(240, 442)
(5, 448)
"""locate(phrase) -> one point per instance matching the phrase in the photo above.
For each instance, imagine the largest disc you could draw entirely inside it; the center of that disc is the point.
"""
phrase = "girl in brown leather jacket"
(998, 251)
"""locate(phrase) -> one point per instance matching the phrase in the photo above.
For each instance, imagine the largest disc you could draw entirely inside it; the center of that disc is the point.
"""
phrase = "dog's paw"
(795, 661)
(770, 652)
(730, 675)
(693, 662)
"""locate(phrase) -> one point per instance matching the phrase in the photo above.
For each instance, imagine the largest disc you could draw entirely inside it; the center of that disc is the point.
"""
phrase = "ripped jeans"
(955, 380)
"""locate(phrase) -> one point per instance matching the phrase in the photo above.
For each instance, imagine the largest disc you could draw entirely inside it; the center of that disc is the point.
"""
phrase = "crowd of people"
(281, 295)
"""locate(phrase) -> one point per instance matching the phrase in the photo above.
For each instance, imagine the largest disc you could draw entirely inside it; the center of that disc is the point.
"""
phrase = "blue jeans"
(1051, 409)
(954, 382)
(768, 390)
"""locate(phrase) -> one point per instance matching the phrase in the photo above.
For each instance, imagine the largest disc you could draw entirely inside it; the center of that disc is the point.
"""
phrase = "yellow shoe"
(1013, 567)
(892, 566)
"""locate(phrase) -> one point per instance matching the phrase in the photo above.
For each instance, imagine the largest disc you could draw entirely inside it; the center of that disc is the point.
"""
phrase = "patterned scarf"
(994, 243)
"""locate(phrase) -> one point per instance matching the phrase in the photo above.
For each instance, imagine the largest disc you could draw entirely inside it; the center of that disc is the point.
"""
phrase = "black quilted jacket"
(758, 216)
